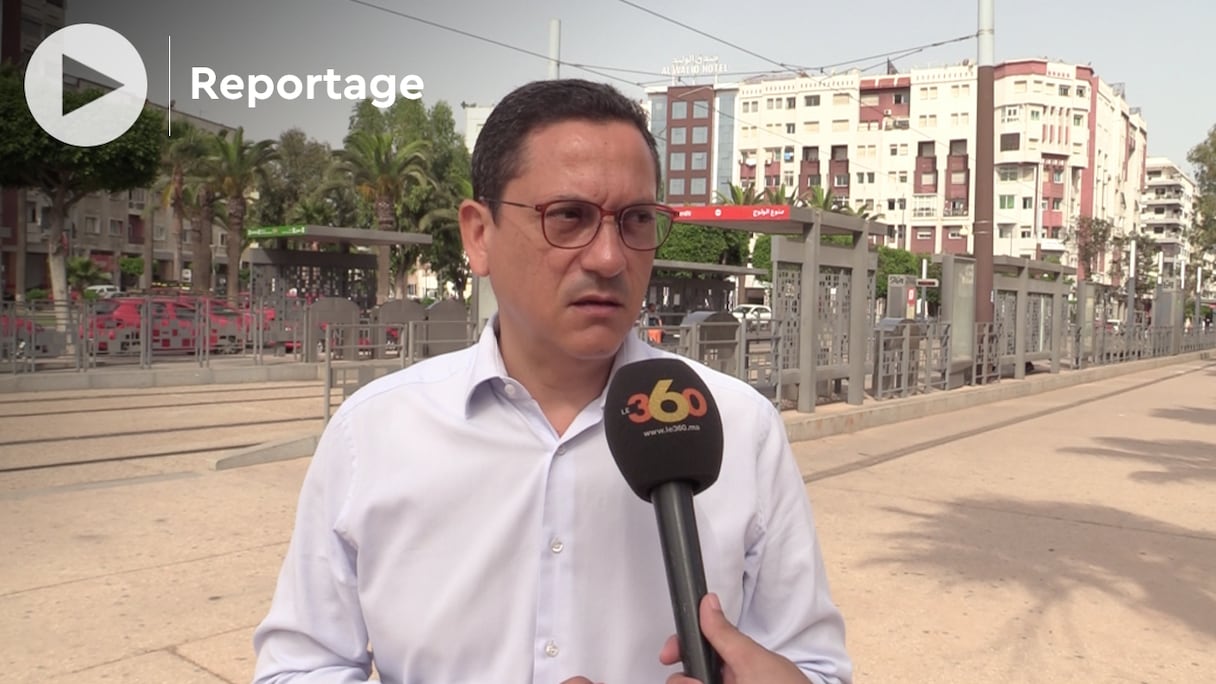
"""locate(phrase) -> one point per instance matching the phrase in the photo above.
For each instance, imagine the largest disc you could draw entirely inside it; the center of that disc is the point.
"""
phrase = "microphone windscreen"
(662, 426)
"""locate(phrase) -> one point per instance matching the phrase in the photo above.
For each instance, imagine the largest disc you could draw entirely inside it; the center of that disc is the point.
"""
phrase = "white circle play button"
(104, 51)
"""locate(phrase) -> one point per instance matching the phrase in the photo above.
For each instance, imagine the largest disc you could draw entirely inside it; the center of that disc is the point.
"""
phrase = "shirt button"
(510, 390)
(561, 450)
(556, 546)
(551, 649)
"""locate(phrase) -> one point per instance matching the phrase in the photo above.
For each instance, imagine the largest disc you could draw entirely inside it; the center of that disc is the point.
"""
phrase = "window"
(158, 233)
(1080, 91)
(869, 100)
(115, 227)
(925, 148)
(840, 152)
(1064, 90)
(1007, 173)
(1028, 203)
(861, 178)
(958, 178)
(1019, 86)
(1055, 203)
(903, 178)
(1026, 232)
(790, 128)
(924, 234)
(1011, 113)
(814, 180)
(928, 178)
(841, 180)
(92, 226)
(698, 161)
(903, 149)
(890, 205)
(675, 186)
(700, 135)
(1057, 175)
(870, 177)
(955, 234)
(679, 135)
(791, 102)
(1005, 230)
(1007, 202)
(696, 186)
(840, 99)
(679, 110)
(958, 147)
(1078, 120)
(1036, 114)
(901, 98)
(700, 109)
(788, 154)
(1010, 141)
(810, 126)
(811, 100)
(677, 162)
(810, 154)
(894, 150)
(840, 125)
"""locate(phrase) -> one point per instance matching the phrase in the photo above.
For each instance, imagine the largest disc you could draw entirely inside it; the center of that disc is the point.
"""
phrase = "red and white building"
(903, 145)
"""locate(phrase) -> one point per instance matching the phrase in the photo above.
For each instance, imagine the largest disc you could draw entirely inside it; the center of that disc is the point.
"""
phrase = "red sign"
(733, 212)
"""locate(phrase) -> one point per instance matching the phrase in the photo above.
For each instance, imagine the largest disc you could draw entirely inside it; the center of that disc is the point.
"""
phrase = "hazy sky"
(1156, 48)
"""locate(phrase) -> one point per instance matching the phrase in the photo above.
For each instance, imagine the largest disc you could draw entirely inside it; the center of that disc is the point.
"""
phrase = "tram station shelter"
(308, 270)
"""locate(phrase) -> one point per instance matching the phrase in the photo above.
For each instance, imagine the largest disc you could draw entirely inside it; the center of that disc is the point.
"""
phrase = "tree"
(236, 168)
(181, 155)
(65, 174)
(1203, 159)
(1091, 238)
(83, 272)
(298, 173)
(382, 172)
(199, 201)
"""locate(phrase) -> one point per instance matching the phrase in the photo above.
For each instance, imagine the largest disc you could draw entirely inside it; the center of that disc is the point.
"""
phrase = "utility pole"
(555, 48)
(984, 152)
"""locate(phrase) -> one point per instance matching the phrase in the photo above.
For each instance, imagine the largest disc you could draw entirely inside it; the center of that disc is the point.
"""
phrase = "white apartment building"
(902, 145)
(1168, 211)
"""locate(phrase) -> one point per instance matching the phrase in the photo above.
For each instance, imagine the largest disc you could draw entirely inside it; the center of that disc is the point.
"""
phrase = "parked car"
(104, 291)
(753, 315)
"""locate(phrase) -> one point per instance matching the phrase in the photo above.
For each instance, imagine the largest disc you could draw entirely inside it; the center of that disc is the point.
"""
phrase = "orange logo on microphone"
(664, 405)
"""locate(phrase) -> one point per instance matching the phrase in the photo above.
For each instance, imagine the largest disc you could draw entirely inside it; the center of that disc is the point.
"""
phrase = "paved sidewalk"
(1073, 541)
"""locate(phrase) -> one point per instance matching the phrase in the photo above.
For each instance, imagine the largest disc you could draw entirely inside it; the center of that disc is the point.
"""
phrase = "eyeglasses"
(572, 224)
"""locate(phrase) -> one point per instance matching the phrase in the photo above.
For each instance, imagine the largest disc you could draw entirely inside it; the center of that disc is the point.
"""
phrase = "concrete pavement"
(1068, 536)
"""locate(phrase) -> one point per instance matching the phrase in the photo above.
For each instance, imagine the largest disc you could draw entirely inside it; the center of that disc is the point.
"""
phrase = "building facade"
(902, 145)
(694, 128)
(1168, 212)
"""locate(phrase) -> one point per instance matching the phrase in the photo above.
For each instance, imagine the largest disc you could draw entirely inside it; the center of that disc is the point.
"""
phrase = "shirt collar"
(488, 366)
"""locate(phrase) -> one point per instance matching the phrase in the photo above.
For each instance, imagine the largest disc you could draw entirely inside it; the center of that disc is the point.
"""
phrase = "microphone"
(665, 434)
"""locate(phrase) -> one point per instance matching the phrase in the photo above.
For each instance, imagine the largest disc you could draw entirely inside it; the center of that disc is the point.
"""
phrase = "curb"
(804, 427)
(270, 452)
(136, 378)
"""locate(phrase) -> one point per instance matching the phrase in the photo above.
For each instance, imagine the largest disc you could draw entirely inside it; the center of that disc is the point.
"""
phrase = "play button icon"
(110, 60)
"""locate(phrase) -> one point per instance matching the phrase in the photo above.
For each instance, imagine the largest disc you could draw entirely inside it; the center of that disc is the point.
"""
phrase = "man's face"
(565, 304)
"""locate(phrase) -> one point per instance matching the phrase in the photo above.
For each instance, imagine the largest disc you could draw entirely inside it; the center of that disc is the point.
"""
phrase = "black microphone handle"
(685, 577)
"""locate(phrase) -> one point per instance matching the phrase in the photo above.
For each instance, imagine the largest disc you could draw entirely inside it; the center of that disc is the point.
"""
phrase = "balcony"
(1172, 199)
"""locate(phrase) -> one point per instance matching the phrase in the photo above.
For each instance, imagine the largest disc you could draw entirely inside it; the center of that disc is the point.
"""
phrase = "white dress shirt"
(445, 531)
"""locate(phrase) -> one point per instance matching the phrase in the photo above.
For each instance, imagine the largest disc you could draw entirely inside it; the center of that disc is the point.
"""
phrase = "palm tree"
(198, 207)
(312, 211)
(383, 173)
(186, 147)
(83, 272)
(740, 195)
(236, 167)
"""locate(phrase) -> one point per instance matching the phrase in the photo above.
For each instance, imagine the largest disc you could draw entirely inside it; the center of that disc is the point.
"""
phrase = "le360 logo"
(664, 405)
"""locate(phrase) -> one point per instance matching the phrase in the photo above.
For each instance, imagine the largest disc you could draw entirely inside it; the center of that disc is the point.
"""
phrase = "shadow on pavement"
(1190, 414)
(1176, 460)
(1053, 550)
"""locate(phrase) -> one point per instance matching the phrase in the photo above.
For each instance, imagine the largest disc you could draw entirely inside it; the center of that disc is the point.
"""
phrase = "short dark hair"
(497, 156)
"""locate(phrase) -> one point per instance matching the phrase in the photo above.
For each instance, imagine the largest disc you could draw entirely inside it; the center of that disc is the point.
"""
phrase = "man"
(463, 519)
